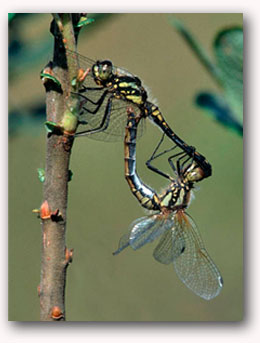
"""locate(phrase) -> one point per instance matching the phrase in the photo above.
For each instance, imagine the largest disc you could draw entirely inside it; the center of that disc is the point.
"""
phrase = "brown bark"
(55, 256)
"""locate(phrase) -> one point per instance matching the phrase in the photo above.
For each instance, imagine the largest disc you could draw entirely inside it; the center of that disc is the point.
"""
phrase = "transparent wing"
(117, 122)
(124, 241)
(194, 266)
(170, 246)
(86, 62)
(118, 116)
(89, 99)
(147, 230)
(143, 230)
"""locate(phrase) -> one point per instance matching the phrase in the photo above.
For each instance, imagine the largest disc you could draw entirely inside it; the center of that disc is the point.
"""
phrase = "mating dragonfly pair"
(113, 104)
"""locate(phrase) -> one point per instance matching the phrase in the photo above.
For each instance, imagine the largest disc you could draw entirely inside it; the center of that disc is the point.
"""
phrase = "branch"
(57, 77)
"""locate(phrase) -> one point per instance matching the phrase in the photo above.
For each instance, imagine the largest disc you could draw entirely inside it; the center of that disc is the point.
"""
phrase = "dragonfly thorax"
(177, 194)
(129, 89)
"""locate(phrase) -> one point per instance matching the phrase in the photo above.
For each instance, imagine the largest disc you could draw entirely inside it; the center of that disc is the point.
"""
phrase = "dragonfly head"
(193, 173)
(102, 71)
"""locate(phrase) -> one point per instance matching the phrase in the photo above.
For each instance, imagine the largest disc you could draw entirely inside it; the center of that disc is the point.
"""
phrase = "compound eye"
(195, 175)
(105, 70)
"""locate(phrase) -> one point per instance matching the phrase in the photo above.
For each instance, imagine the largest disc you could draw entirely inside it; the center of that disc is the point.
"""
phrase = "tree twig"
(55, 255)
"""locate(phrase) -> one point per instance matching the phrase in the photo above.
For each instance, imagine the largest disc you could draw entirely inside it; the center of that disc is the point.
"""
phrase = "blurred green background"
(131, 286)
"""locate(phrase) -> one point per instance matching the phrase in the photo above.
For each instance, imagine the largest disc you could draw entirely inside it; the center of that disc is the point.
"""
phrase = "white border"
(245, 331)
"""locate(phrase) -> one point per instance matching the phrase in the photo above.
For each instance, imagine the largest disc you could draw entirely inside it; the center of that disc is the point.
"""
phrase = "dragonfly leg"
(103, 125)
(86, 89)
(154, 156)
(98, 103)
(180, 166)
(185, 161)
(176, 168)
(157, 147)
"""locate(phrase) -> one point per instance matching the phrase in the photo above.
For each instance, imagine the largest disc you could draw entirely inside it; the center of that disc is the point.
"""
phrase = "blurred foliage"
(11, 16)
(227, 71)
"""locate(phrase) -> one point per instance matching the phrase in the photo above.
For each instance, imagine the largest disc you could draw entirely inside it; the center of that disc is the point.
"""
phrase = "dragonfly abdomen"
(145, 195)
(154, 114)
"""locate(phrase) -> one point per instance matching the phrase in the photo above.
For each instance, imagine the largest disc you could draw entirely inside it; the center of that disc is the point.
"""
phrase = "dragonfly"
(180, 242)
(104, 97)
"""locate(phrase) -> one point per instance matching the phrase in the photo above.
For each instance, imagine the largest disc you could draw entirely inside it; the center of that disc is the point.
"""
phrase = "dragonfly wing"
(123, 243)
(89, 97)
(148, 229)
(117, 119)
(86, 62)
(170, 247)
(194, 266)
(125, 239)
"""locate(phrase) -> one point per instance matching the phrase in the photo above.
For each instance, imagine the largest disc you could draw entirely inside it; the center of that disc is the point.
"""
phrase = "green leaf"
(41, 174)
(228, 47)
(45, 76)
(50, 126)
(217, 106)
(196, 47)
(85, 21)
(227, 71)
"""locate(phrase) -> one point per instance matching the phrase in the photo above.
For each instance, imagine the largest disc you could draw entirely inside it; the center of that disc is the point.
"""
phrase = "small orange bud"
(56, 313)
(68, 255)
(71, 254)
(80, 73)
(45, 212)
(83, 74)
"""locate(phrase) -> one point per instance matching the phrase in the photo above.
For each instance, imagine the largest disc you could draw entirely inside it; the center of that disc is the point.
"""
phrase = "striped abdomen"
(156, 116)
(145, 195)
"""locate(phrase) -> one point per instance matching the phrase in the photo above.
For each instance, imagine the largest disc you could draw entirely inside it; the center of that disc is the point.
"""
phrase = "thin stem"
(55, 255)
